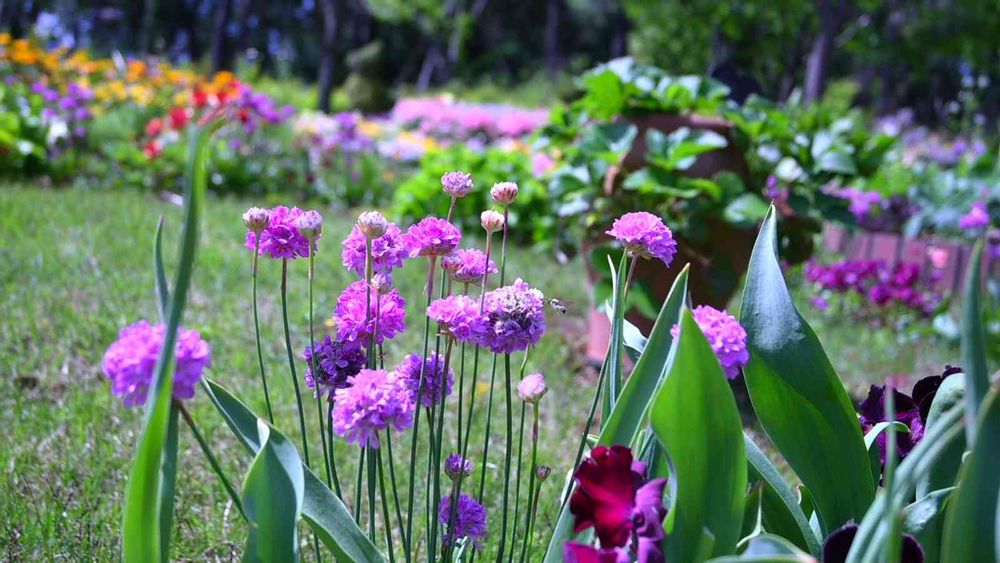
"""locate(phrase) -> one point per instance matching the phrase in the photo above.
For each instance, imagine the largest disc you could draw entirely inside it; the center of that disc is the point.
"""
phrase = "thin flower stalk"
(532, 493)
(291, 360)
(210, 456)
(312, 346)
(256, 328)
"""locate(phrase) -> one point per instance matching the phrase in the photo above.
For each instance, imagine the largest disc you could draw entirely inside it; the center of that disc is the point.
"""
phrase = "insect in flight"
(558, 305)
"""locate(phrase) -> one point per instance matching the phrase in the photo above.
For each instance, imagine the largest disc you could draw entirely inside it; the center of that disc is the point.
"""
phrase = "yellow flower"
(4, 39)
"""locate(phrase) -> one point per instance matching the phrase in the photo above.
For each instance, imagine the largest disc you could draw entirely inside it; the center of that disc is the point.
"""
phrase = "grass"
(75, 266)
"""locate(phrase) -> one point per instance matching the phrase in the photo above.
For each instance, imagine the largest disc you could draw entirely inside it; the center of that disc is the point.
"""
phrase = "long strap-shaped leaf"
(272, 498)
(974, 344)
(796, 394)
(143, 540)
(325, 513)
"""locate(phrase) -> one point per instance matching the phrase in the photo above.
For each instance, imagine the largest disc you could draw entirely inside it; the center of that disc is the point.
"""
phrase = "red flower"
(614, 498)
(152, 150)
(581, 553)
(178, 118)
(154, 127)
(200, 98)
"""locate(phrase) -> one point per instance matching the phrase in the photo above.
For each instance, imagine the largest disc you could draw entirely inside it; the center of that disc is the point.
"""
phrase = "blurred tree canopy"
(901, 53)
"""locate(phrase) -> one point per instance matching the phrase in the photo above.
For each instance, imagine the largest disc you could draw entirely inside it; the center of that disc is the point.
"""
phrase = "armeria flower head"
(644, 235)
(431, 237)
(335, 363)
(470, 521)
(614, 498)
(436, 384)
(532, 388)
(978, 217)
(468, 265)
(387, 251)
(388, 312)
(457, 467)
(516, 318)
(457, 184)
(310, 225)
(372, 224)
(504, 193)
(281, 238)
(256, 219)
(374, 400)
(129, 361)
(726, 336)
(458, 316)
(492, 221)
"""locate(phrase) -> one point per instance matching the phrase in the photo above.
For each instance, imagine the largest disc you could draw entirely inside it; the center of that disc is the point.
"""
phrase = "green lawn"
(75, 266)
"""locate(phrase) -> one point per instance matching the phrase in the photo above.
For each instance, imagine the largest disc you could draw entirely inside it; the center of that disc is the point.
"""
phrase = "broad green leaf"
(634, 341)
(944, 473)
(970, 532)
(781, 511)
(871, 439)
(326, 514)
(836, 162)
(696, 419)
(974, 343)
(925, 520)
(142, 541)
(162, 289)
(768, 548)
(798, 397)
(272, 498)
(746, 210)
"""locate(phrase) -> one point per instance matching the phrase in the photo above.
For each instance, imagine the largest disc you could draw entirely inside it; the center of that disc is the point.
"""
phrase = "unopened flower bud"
(542, 473)
(457, 184)
(372, 224)
(532, 388)
(491, 220)
(382, 283)
(310, 225)
(451, 262)
(456, 467)
(256, 219)
(504, 193)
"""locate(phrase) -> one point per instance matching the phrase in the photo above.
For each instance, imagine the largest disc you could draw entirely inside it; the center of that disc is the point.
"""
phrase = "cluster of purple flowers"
(387, 251)
(280, 238)
(431, 236)
(359, 317)
(255, 108)
(509, 319)
(130, 361)
(70, 109)
(726, 336)
(880, 284)
(468, 265)
(644, 235)
(444, 118)
(436, 384)
(470, 521)
(374, 400)
(335, 362)
(860, 203)
(976, 219)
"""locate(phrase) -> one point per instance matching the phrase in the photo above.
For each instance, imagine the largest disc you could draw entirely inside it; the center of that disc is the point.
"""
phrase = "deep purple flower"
(838, 545)
(334, 364)
(926, 389)
(872, 412)
(281, 238)
(468, 265)
(724, 334)
(574, 552)
(388, 312)
(459, 317)
(431, 237)
(129, 361)
(387, 251)
(644, 234)
(457, 184)
(456, 467)
(515, 316)
(374, 400)
(978, 217)
(437, 385)
(470, 521)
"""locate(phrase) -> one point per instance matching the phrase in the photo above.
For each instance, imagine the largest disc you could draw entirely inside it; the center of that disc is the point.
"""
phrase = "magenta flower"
(375, 400)
(469, 265)
(387, 251)
(437, 384)
(459, 316)
(456, 466)
(574, 552)
(978, 217)
(129, 361)
(724, 334)
(470, 520)
(334, 364)
(644, 234)
(431, 237)
(516, 318)
(281, 238)
(388, 312)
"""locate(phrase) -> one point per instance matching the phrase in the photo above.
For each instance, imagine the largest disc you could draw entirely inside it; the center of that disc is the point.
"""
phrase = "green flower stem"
(486, 434)
(461, 394)
(333, 458)
(395, 491)
(507, 456)
(256, 327)
(372, 509)
(312, 356)
(205, 449)
(532, 498)
(291, 360)
(440, 439)
(586, 430)
(359, 499)
(531, 526)
(517, 488)
(387, 523)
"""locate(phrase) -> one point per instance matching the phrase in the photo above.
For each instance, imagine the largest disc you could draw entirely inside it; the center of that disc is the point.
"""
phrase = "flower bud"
(310, 225)
(256, 219)
(457, 184)
(491, 220)
(542, 473)
(504, 193)
(532, 388)
(372, 224)
(382, 283)
(451, 262)
(456, 467)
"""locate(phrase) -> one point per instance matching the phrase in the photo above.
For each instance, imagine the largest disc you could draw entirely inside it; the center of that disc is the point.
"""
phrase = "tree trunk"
(619, 42)
(148, 20)
(328, 13)
(220, 58)
(818, 63)
(551, 54)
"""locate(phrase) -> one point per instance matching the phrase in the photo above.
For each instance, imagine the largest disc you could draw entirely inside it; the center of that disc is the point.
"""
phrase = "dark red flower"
(926, 389)
(873, 412)
(200, 98)
(178, 118)
(582, 553)
(613, 497)
(154, 127)
(838, 545)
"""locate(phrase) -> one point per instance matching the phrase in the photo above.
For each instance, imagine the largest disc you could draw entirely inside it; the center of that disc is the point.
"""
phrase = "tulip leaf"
(322, 510)
(973, 343)
(924, 519)
(696, 419)
(797, 395)
(162, 289)
(970, 532)
(781, 511)
(944, 472)
(272, 498)
(168, 483)
(768, 548)
(616, 349)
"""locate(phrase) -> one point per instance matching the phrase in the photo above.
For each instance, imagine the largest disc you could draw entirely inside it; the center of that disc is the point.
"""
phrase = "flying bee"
(558, 305)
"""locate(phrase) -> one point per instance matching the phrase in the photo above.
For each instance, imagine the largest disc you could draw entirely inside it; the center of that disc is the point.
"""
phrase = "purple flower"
(387, 251)
(431, 237)
(468, 265)
(456, 467)
(860, 203)
(574, 552)
(724, 334)
(437, 385)
(457, 184)
(334, 364)
(281, 238)
(459, 316)
(516, 318)
(375, 400)
(388, 311)
(838, 544)
(470, 521)
(872, 412)
(977, 218)
(129, 361)
(644, 234)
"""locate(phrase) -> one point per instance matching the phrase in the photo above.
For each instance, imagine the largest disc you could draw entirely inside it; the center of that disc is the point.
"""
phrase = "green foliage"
(272, 498)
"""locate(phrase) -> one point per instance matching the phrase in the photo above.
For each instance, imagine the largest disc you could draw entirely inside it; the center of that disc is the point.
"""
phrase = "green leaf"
(679, 149)
(695, 417)
(746, 210)
(837, 162)
(167, 485)
(616, 349)
(634, 342)
(871, 439)
(944, 473)
(925, 520)
(781, 511)
(142, 539)
(768, 549)
(798, 397)
(162, 290)
(272, 498)
(974, 343)
(326, 514)
(970, 532)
